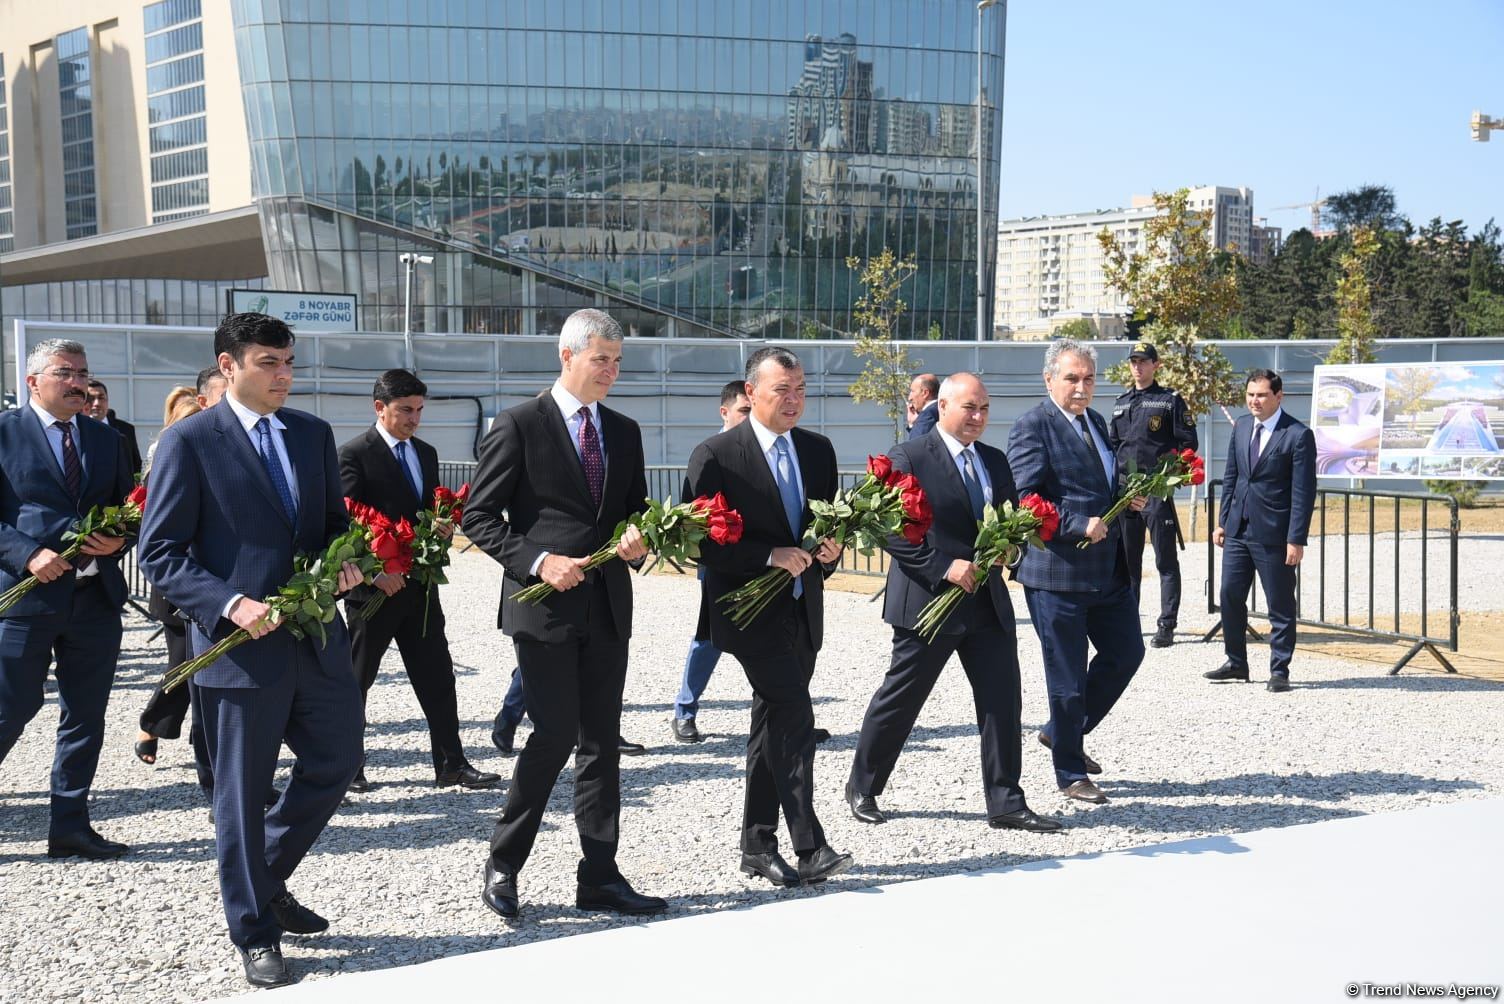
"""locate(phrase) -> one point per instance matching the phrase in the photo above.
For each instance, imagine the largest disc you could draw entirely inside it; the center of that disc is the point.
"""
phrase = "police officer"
(1148, 422)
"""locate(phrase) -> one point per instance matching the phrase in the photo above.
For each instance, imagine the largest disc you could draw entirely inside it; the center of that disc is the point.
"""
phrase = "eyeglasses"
(65, 374)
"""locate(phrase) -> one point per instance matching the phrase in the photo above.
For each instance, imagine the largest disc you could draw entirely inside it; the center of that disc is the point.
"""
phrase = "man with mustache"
(1059, 450)
(55, 465)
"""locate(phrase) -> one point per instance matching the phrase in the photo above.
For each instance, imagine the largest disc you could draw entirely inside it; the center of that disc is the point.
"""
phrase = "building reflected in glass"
(697, 166)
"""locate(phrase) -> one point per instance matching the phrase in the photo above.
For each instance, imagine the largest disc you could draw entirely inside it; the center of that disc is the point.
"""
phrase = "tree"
(1080, 329)
(1370, 206)
(1408, 390)
(1355, 325)
(885, 376)
(1178, 281)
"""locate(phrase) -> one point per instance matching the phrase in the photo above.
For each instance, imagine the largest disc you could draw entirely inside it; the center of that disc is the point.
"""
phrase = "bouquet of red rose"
(1001, 534)
(112, 520)
(305, 603)
(672, 532)
(430, 547)
(886, 503)
(1176, 468)
(390, 543)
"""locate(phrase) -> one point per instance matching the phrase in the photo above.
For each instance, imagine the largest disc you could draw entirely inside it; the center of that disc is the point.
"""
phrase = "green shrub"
(1465, 492)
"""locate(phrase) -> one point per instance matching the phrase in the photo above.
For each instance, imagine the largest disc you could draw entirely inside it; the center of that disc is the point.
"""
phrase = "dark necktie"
(402, 463)
(1091, 446)
(788, 491)
(590, 457)
(973, 485)
(73, 471)
(73, 477)
(1253, 444)
(273, 465)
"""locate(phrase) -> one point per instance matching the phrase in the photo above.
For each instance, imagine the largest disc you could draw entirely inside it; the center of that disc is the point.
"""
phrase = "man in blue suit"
(923, 404)
(236, 492)
(55, 465)
(1268, 492)
(1059, 450)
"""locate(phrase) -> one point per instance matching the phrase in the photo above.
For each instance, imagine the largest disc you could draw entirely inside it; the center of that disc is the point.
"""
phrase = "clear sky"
(1106, 98)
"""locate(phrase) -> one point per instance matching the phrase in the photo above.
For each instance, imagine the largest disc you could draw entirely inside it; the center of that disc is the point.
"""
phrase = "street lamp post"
(982, 320)
(408, 259)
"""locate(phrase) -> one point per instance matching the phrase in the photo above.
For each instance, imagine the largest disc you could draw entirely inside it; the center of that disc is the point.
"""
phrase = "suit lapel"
(428, 463)
(759, 472)
(941, 453)
(1085, 452)
(238, 445)
(93, 452)
(551, 424)
(611, 440)
(1274, 437)
(37, 436)
(388, 459)
(300, 453)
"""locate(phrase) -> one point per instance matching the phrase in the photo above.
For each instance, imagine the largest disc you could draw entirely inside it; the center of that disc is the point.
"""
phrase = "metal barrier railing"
(1386, 550)
(666, 480)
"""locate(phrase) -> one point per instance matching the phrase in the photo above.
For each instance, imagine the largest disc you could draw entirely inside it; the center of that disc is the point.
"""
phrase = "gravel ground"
(398, 871)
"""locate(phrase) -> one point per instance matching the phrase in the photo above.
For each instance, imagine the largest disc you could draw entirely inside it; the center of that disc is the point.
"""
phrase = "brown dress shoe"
(1092, 767)
(1084, 791)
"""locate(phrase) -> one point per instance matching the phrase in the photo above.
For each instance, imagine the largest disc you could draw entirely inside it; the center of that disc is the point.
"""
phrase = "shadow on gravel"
(1316, 787)
(1415, 684)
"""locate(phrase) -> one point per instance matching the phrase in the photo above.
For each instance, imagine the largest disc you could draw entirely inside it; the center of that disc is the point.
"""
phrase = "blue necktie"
(402, 463)
(973, 485)
(793, 505)
(273, 466)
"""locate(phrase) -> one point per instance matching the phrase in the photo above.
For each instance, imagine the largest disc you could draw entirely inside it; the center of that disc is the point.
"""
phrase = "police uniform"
(1147, 424)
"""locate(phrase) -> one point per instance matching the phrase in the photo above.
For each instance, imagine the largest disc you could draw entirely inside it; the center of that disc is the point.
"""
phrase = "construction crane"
(1315, 208)
(1481, 124)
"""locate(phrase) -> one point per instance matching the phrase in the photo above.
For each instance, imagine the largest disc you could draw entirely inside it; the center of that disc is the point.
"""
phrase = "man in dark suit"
(922, 404)
(768, 469)
(55, 465)
(960, 476)
(210, 387)
(98, 408)
(556, 475)
(236, 492)
(1059, 450)
(390, 469)
(1268, 493)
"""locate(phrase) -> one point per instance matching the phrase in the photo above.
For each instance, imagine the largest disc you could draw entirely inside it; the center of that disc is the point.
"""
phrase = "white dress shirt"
(412, 453)
(766, 440)
(1268, 424)
(956, 448)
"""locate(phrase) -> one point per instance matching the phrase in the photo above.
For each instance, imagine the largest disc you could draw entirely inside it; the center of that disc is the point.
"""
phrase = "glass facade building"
(175, 110)
(696, 166)
(76, 102)
(7, 214)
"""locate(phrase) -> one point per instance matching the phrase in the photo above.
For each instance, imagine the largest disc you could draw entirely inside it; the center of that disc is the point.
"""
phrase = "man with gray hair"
(55, 465)
(556, 474)
(1059, 450)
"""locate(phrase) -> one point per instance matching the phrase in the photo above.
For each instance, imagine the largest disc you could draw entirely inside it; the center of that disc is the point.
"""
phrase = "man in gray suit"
(1059, 450)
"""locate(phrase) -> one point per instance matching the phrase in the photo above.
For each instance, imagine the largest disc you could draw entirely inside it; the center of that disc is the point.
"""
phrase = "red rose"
(137, 497)
(1198, 475)
(914, 532)
(913, 501)
(442, 496)
(463, 495)
(880, 467)
(1045, 512)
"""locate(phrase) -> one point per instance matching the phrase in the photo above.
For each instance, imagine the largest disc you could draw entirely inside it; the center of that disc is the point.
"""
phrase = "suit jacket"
(733, 463)
(925, 421)
(1050, 458)
(916, 575)
(214, 527)
(530, 496)
(1277, 496)
(128, 433)
(369, 473)
(36, 509)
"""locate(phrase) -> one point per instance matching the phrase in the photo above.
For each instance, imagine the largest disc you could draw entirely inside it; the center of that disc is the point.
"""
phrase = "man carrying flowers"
(962, 477)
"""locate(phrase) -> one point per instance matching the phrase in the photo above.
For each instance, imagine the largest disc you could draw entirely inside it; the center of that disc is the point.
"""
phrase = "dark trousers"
(1082, 693)
(316, 711)
(513, 706)
(87, 644)
(165, 710)
(1240, 559)
(989, 654)
(781, 743)
(573, 691)
(1161, 522)
(426, 658)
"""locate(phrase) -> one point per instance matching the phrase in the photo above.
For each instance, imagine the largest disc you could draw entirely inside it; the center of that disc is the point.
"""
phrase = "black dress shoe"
(685, 731)
(264, 966)
(1163, 638)
(618, 897)
(84, 844)
(1226, 672)
(1092, 767)
(294, 917)
(770, 866)
(627, 748)
(822, 864)
(466, 776)
(500, 892)
(822, 736)
(1084, 791)
(502, 738)
(863, 807)
(1025, 819)
(1279, 683)
(359, 784)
